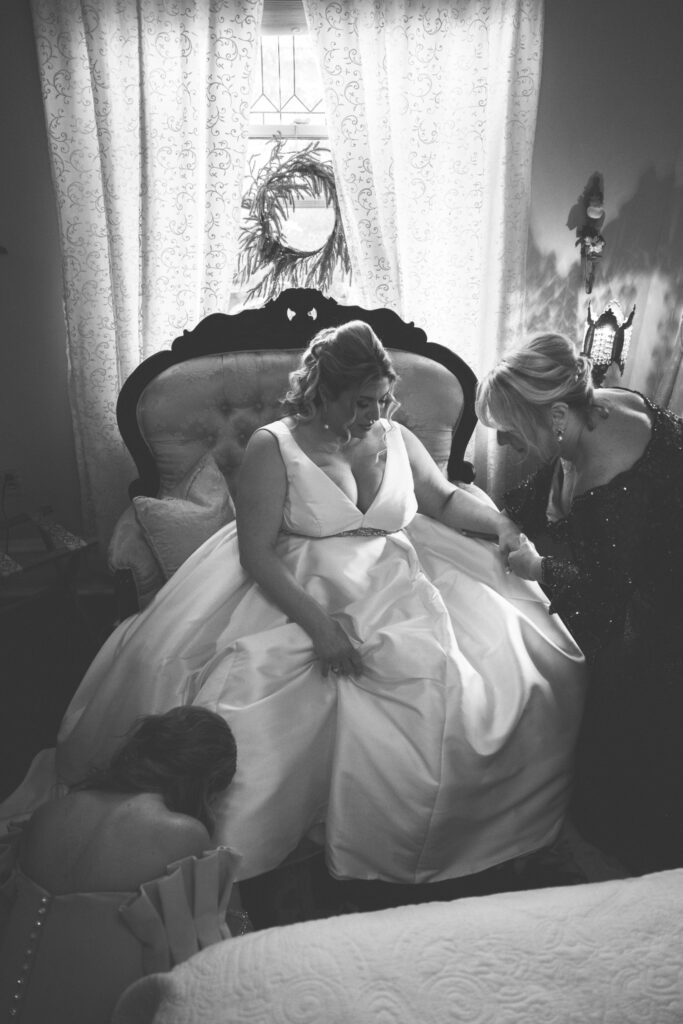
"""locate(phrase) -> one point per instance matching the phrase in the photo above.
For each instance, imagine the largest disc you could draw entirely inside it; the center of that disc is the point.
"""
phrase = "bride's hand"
(336, 652)
(509, 537)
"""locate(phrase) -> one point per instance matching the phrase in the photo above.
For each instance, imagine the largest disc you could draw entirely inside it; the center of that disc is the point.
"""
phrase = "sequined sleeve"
(615, 564)
(564, 578)
(591, 599)
(526, 503)
(588, 588)
(559, 573)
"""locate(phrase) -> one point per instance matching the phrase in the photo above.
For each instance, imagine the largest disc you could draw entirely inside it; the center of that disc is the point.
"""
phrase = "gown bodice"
(316, 506)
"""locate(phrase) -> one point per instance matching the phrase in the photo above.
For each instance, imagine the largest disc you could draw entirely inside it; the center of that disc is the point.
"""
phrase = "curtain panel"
(670, 392)
(146, 105)
(431, 108)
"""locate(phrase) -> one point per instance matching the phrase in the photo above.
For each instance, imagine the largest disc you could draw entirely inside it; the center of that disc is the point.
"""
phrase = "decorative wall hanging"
(607, 341)
(588, 216)
(271, 198)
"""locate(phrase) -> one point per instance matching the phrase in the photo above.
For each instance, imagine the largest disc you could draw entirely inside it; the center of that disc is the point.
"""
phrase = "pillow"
(178, 523)
(128, 549)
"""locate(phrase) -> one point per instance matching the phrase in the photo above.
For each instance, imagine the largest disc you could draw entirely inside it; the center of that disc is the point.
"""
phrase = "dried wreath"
(272, 195)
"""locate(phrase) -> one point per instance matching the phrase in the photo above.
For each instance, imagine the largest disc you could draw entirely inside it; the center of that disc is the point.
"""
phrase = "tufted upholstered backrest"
(214, 403)
(222, 380)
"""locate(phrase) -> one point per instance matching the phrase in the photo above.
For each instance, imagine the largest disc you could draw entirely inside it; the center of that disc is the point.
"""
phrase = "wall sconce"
(606, 340)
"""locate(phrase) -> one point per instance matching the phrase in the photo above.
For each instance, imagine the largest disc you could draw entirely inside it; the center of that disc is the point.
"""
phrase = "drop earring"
(559, 434)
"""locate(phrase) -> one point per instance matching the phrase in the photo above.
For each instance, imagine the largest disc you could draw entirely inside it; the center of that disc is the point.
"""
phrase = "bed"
(609, 953)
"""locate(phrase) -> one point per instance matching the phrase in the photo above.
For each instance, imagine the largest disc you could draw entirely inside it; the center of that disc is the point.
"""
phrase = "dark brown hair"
(188, 755)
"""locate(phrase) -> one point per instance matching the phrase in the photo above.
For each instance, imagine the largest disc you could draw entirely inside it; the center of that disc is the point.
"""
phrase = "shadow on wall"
(642, 264)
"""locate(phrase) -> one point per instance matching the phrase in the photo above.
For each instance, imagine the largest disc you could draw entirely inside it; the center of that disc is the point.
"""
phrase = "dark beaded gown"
(614, 572)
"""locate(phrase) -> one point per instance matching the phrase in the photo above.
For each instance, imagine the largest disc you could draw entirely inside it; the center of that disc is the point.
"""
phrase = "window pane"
(288, 84)
(288, 99)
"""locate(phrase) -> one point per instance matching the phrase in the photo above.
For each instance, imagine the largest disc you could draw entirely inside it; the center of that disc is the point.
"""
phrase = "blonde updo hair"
(517, 393)
(338, 359)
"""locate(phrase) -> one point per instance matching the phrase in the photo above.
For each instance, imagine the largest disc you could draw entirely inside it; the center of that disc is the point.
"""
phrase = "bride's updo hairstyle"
(517, 393)
(338, 359)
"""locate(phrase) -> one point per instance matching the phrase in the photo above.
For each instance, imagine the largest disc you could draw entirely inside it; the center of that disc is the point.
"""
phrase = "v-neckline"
(334, 483)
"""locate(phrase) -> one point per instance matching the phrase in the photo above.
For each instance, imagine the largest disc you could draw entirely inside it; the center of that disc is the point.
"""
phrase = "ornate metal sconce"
(606, 340)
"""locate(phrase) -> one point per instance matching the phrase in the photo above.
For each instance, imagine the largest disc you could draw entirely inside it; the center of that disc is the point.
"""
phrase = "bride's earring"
(326, 425)
(559, 434)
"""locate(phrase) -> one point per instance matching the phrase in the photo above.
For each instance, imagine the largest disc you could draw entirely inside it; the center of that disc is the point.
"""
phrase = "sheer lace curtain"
(147, 106)
(431, 108)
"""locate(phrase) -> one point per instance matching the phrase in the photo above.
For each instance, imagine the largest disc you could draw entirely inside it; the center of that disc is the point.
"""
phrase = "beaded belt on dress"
(362, 531)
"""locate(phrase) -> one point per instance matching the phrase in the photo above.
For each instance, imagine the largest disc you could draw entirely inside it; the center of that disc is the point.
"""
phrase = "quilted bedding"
(609, 952)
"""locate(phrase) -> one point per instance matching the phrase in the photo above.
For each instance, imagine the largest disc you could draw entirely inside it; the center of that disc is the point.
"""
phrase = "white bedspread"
(610, 953)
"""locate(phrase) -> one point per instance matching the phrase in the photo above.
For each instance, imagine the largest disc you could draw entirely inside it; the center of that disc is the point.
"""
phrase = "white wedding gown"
(451, 753)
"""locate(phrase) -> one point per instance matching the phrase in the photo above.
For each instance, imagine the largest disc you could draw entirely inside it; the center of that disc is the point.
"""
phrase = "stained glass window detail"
(288, 86)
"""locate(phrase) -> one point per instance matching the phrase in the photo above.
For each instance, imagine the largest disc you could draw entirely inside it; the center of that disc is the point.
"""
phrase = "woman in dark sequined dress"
(603, 533)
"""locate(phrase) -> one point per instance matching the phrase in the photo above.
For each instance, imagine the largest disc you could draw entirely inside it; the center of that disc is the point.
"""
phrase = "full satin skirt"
(452, 751)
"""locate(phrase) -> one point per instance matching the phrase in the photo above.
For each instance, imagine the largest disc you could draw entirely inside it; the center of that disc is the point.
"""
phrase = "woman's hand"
(509, 537)
(526, 561)
(260, 506)
(468, 511)
(336, 652)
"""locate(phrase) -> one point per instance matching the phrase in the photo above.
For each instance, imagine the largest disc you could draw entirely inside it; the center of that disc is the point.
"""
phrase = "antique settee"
(187, 413)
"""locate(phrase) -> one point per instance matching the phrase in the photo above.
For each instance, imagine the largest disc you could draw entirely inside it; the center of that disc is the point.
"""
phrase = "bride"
(394, 693)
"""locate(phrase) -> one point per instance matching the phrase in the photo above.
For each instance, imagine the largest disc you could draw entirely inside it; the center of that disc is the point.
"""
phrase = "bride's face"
(358, 409)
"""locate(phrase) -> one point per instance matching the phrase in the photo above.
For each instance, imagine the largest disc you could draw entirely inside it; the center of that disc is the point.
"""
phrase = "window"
(288, 101)
(289, 90)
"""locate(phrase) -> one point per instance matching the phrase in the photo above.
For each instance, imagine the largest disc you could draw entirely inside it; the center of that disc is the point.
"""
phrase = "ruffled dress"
(68, 958)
